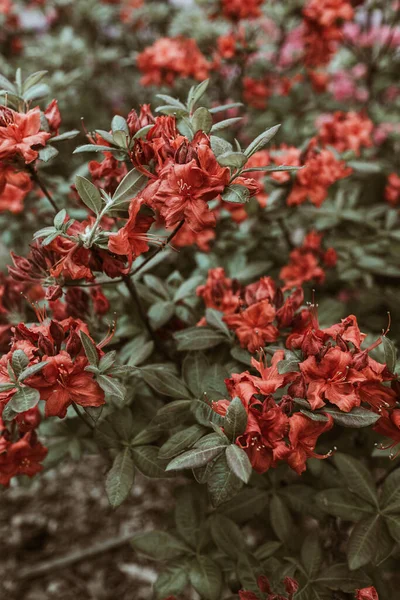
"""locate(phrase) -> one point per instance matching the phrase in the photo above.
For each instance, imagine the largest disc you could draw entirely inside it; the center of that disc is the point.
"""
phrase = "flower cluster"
(331, 369)
(345, 131)
(290, 584)
(256, 312)
(169, 58)
(322, 29)
(306, 262)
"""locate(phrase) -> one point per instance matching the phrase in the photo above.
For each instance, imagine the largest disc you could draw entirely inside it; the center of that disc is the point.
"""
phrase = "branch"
(35, 177)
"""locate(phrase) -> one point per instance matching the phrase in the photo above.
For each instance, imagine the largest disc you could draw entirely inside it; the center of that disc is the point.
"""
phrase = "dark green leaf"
(24, 399)
(206, 578)
(357, 477)
(120, 478)
(198, 338)
(89, 194)
(222, 482)
(235, 419)
(361, 547)
(343, 504)
(236, 193)
(181, 441)
(159, 545)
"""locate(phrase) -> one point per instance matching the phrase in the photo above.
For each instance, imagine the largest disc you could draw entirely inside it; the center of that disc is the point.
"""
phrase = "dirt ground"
(64, 511)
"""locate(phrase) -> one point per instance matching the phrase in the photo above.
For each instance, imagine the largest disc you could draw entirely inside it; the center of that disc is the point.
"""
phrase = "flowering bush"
(212, 296)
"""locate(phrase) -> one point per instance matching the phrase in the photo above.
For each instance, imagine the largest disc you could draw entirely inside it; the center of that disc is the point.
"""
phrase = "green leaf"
(219, 145)
(338, 577)
(357, 477)
(390, 498)
(393, 524)
(89, 194)
(181, 440)
(194, 369)
(19, 361)
(59, 219)
(24, 399)
(119, 124)
(239, 462)
(390, 353)
(142, 132)
(160, 313)
(32, 370)
(90, 349)
(266, 550)
(164, 383)
(159, 545)
(140, 350)
(36, 92)
(222, 482)
(232, 159)
(311, 554)
(120, 478)
(122, 423)
(95, 148)
(214, 319)
(225, 123)
(206, 578)
(281, 520)
(235, 421)
(172, 101)
(5, 84)
(67, 135)
(356, 418)
(131, 184)
(361, 547)
(172, 414)
(197, 457)
(343, 504)
(236, 193)
(227, 536)
(202, 120)
(112, 387)
(146, 460)
(32, 80)
(171, 581)
(223, 107)
(261, 140)
(198, 338)
(188, 514)
(197, 93)
(248, 503)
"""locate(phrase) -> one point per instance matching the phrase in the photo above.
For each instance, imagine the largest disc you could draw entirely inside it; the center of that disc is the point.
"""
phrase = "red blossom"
(392, 190)
(20, 134)
(14, 186)
(22, 457)
(131, 240)
(368, 593)
(346, 131)
(303, 437)
(168, 58)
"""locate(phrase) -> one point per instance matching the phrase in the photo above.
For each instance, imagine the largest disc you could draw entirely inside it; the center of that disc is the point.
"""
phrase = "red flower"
(131, 240)
(14, 186)
(62, 382)
(346, 131)
(168, 58)
(253, 326)
(237, 9)
(368, 593)
(303, 266)
(320, 172)
(52, 114)
(303, 437)
(20, 134)
(20, 458)
(220, 292)
(183, 190)
(328, 379)
(392, 189)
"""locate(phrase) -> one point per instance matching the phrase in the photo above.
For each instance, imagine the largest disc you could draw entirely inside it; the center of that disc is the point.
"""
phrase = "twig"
(73, 557)
(286, 233)
(35, 177)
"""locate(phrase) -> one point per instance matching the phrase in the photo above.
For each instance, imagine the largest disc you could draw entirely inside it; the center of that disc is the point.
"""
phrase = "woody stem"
(35, 177)
(142, 313)
(82, 418)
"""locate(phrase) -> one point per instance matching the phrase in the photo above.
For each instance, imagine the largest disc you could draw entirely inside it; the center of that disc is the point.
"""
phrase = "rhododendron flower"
(62, 382)
(220, 292)
(14, 186)
(322, 169)
(304, 264)
(345, 131)
(237, 9)
(392, 189)
(290, 584)
(303, 437)
(183, 190)
(22, 457)
(20, 134)
(256, 92)
(131, 240)
(168, 58)
(53, 117)
(253, 326)
(368, 593)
